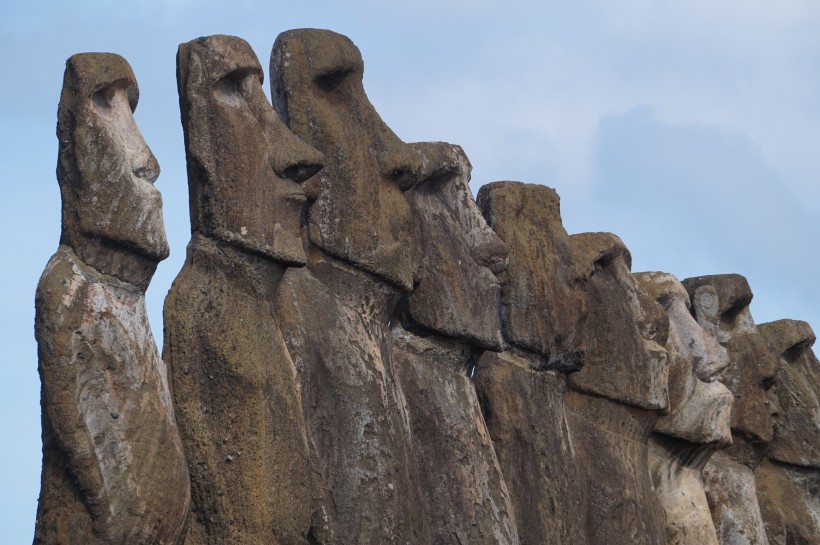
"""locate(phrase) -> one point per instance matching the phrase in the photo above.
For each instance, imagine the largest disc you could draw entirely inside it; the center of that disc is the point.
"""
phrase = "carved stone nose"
(147, 168)
(492, 254)
(293, 159)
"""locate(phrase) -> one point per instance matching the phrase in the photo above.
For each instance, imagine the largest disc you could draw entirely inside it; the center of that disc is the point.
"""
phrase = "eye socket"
(331, 81)
(234, 86)
(103, 98)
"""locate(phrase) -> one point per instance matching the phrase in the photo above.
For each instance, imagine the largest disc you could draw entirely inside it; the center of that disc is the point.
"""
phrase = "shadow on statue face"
(456, 291)
(795, 394)
(360, 214)
(110, 195)
(699, 405)
(625, 328)
(245, 166)
(720, 303)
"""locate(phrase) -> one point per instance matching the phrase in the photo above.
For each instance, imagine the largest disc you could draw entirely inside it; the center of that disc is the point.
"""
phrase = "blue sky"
(690, 129)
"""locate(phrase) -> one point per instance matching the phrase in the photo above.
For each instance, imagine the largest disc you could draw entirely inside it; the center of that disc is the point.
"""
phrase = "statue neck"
(371, 296)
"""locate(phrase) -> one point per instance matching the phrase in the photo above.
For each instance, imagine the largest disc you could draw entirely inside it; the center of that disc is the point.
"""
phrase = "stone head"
(720, 304)
(795, 394)
(544, 306)
(105, 170)
(625, 329)
(245, 167)
(699, 405)
(456, 291)
(360, 213)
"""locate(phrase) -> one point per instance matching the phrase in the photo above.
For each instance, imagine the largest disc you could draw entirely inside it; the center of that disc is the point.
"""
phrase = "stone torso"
(237, 400)
(108, 411)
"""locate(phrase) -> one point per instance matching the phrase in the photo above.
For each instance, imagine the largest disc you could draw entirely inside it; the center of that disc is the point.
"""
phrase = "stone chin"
(286, 247)
(704, 417)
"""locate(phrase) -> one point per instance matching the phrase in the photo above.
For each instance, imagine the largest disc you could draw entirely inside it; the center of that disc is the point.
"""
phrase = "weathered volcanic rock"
(456, 293)
(788, 483)
(454, 304)
(334, 323)
(789, 497)
(610, 444)
(465, 497)
(699, 405)
(544, 303)
(360, 214)
(234, 384)
(720, 304)
(543, 310)
(625, 328)
(617, 394)
(337, 312)
(795, 393)
(729, 482)
(677, 477)
(698, 420)
(524, 411)
(113, 466)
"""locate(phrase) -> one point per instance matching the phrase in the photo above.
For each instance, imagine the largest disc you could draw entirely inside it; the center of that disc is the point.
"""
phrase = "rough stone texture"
(699, 405)
(456, 292)
(360, 233)
(454, 303)
(788, 483)
(626, 365)
(625, 328)
(730, 490)
(570, 302)
(355, 356)
(360, 214)
(465, 497)
(676, 468)
(789, 497)
(524, 412)
(244, 165)
(334, 322)
(720, 303)
(544, 303)
(113, 465)
(234, 384)
(543, 308)
(795, 394)
(698, 420)
(610, 444)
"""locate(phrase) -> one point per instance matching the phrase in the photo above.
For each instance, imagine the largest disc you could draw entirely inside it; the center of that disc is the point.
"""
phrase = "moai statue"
(447, 321)
(113, 465)
(336, 312)
(543, 309)
(616, 397)
(788, 481)
(233, 382)
(720, 304)
(698, 421)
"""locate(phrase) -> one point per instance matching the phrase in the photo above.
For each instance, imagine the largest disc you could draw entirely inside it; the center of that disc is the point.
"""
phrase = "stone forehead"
(87, 73)
(662, 287)
(589, 248)
(218, 56)
(317, 52)
(787, 335)
(520, 202)
(733, 291)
